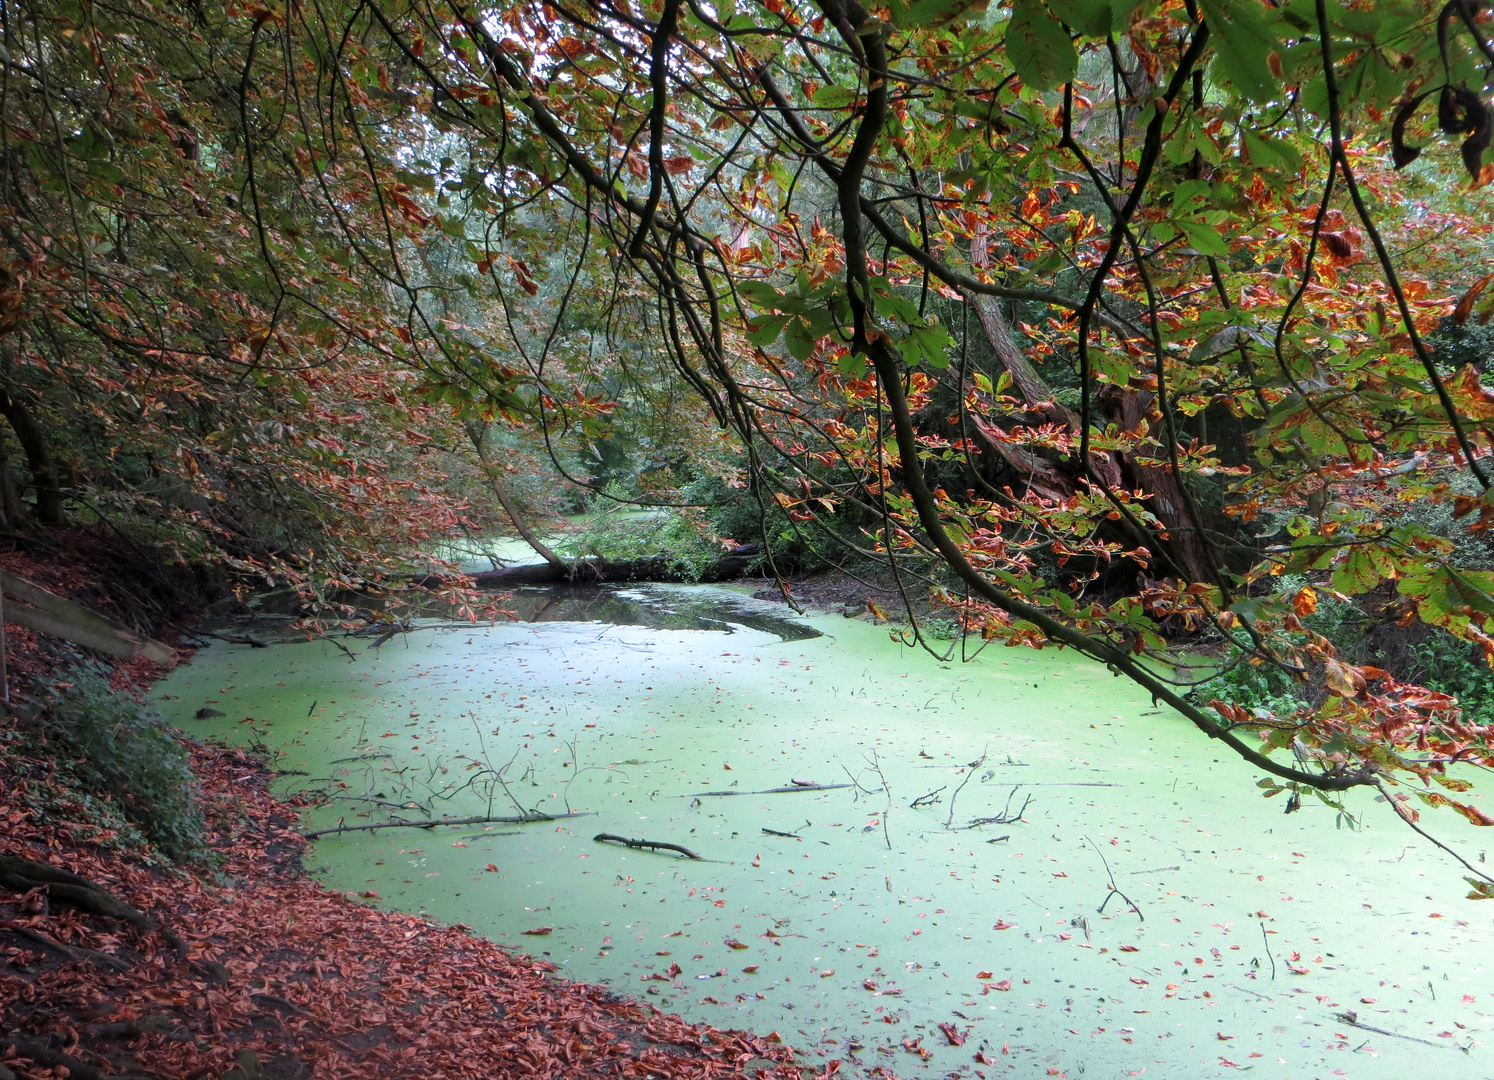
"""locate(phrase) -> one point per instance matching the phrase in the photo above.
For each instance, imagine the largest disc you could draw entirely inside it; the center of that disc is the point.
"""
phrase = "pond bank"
(286, 979)
(282, 979)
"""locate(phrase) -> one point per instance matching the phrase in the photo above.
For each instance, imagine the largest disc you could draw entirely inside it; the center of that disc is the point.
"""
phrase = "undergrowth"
(1418, 653)
(110, 764)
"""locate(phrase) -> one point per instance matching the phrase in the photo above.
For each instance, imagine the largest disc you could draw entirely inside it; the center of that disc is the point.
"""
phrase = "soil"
(874, 597)
(249, 969)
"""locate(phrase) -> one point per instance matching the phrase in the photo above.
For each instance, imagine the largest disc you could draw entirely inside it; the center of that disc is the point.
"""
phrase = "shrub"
(120, 750)
(619, 532)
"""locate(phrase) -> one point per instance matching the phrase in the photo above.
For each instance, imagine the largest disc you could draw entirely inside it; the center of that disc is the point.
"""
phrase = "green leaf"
(833, 97)
(1271, 153)
(1187, 192)
(1243, 46)
(760, 293)
(1095, 18)
(768, 329)
(799, 340)
(934, 343)
(1204, 239)
(1038, 46)
(852, 364)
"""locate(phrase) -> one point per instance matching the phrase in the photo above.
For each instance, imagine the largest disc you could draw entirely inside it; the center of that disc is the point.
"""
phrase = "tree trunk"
(1037, 393)
(1034, 390)
(477, 433)
(11, 512)
(44, 475)
(1183, 535)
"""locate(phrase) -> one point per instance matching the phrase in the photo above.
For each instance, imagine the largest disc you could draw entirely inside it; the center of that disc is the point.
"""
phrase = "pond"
(1142, 912)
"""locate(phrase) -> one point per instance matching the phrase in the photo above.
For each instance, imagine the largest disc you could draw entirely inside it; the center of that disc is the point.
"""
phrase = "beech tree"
(1029, 291)
(1197, 206)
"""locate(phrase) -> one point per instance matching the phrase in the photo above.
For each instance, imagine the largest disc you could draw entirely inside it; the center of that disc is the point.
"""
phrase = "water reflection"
(657, 607)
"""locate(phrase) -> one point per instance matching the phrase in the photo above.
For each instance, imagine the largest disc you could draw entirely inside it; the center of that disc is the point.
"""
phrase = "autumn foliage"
(1112, 321)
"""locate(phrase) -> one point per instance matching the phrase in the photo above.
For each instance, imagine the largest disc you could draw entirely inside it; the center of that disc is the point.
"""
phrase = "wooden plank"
(37, 609)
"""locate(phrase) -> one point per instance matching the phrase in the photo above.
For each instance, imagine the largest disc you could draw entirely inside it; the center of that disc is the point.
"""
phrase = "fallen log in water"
(600, 571)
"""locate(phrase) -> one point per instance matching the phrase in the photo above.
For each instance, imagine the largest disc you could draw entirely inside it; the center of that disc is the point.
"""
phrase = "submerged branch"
(652, 845)
(481, 819)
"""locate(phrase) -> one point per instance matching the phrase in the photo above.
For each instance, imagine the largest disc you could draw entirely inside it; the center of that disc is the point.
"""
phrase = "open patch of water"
(914, 940)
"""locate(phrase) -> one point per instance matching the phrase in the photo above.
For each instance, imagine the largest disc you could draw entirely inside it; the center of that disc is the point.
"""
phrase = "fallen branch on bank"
(652, 845)
(434, 823)
(43, 1052)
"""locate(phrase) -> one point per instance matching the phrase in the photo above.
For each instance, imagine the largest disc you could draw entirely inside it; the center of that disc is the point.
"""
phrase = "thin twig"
(1114, 889)
(949, 821)
(1405, 816)
(765, 791)
(1352, 1019)
(1268, 950)
(1006, 817)
(437, 822)
(876, 765)
(855, 783)
(652, 845)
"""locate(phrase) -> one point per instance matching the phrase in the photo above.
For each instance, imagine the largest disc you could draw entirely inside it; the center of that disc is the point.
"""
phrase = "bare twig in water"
(1006, 817)
(766, 791)
(1269, 957)
(856, 783)
(411, 805)
(437, 822)
(1352, 1019)
(949, 821)
(652, 845)
(788, 835)
(876, 764)
(927, 800)
(1114, 890)
(1405, 816)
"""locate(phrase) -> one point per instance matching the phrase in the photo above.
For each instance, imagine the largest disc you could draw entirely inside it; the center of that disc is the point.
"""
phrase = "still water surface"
(906, 940)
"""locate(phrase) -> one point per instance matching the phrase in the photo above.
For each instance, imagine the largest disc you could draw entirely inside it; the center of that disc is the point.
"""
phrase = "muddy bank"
(874, 596)
(285, 979)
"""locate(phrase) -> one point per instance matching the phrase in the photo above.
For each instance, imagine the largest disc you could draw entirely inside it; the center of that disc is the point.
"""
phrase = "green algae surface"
(918, 940)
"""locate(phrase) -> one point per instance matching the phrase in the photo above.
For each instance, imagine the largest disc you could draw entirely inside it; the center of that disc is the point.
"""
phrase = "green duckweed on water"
(1240, 938)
